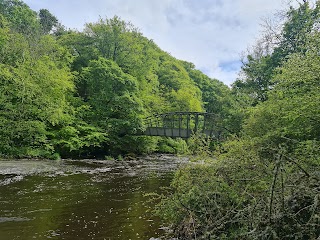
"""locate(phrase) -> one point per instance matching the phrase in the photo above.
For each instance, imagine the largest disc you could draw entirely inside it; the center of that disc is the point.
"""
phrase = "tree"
(259, 67)
(112, 94)
(177, 88)
(47, 21)
(291, 113)
(81, 47)
(21, 18)
(4, 31)
(34, 100)
(120, 42)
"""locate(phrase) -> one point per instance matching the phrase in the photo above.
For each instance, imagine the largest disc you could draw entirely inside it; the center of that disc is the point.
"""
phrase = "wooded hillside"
(85, 93)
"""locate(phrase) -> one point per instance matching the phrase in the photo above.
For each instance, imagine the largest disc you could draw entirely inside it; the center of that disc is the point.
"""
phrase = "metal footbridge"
(184, 124)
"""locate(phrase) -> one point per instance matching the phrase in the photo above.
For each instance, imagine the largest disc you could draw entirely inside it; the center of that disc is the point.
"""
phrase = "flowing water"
(86, 199)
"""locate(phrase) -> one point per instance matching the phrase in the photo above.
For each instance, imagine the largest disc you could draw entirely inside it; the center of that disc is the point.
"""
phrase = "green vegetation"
(67, 93)
(264, 182)
(85, 94)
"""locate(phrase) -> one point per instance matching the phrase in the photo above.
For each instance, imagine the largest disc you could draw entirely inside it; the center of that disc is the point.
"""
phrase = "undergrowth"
(244, 193)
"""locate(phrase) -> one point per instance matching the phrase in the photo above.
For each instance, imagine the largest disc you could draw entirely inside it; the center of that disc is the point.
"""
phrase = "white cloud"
(209, 33)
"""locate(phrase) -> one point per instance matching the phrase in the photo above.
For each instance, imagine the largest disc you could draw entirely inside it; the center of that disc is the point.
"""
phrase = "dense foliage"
(265, 182)
(85, 94)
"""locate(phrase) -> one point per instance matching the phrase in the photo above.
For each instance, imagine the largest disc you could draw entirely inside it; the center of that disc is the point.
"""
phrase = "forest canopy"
(86, 93)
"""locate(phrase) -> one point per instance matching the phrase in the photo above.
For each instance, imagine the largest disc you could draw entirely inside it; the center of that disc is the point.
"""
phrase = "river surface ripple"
(83, 199)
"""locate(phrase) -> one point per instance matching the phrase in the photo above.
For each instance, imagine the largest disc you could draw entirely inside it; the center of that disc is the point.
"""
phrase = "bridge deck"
(174, 132)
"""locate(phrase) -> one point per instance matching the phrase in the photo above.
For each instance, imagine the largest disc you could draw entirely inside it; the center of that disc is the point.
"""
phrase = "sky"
(212, 34)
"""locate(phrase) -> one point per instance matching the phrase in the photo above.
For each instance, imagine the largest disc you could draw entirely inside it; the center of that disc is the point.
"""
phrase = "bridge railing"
(183, 124)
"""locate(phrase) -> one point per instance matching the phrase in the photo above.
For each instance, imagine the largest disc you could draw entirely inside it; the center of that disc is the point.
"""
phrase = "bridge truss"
(184, 124)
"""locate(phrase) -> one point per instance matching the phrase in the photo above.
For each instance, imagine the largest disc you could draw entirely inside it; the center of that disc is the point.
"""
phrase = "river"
(83, 199)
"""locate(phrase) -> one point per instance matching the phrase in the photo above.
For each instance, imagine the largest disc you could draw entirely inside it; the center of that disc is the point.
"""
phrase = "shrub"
(241, 195)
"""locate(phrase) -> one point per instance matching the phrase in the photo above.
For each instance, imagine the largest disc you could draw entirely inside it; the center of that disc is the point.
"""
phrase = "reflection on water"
(81, 199)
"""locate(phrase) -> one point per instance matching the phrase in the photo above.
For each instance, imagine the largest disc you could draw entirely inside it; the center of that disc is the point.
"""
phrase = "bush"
(174, 146)
(241, 195)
